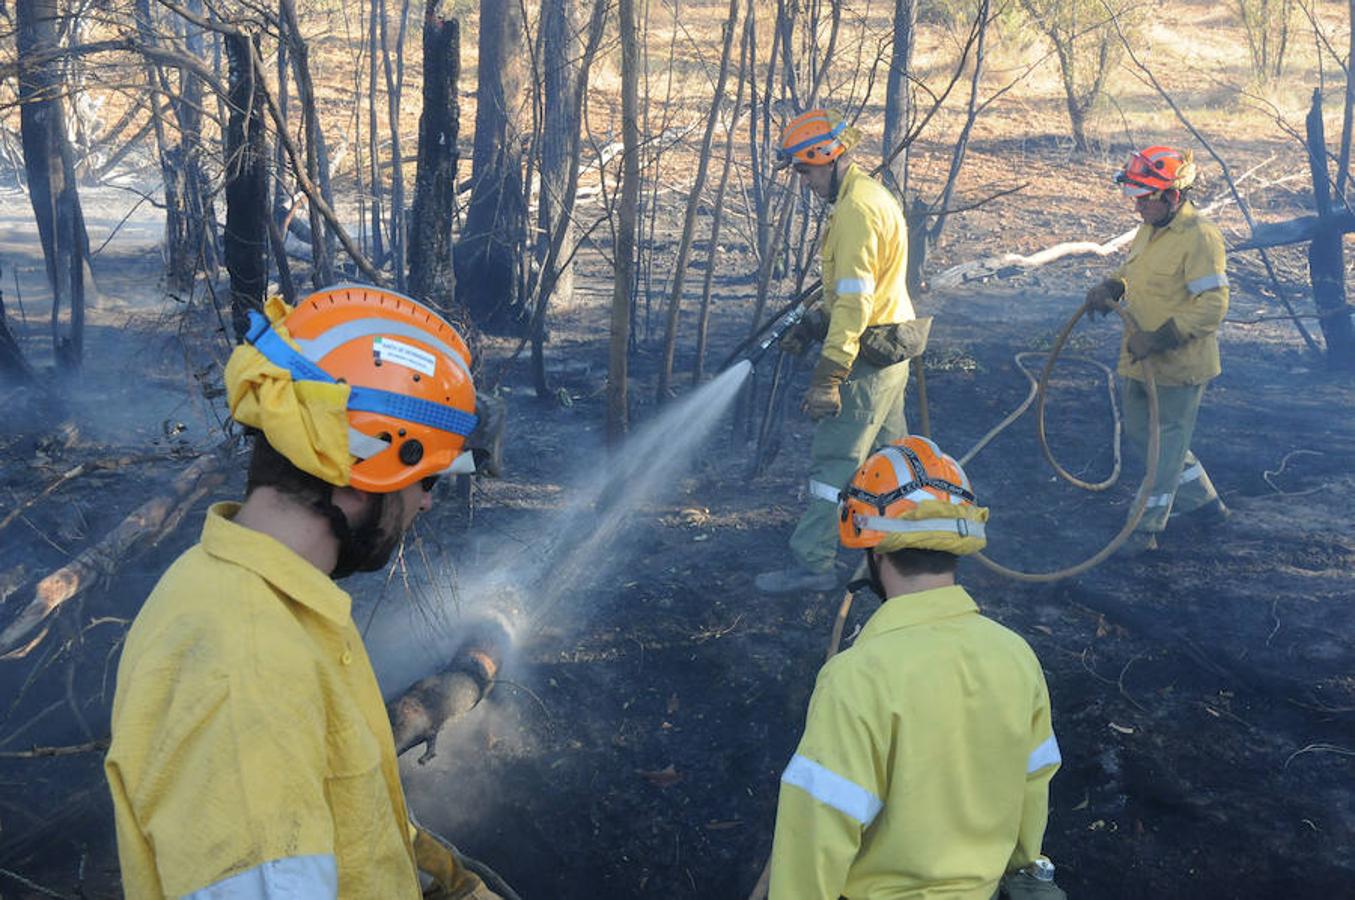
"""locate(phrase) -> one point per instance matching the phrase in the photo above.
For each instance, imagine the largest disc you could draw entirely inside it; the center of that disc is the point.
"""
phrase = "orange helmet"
(816, 138)
(911, 495)
(1157, 169)
(411, 401)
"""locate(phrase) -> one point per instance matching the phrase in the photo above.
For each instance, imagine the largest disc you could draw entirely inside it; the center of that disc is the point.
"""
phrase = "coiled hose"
(1037, 395)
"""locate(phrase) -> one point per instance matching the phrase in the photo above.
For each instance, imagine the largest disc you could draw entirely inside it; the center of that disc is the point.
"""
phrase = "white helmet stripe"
(318, 348)
(960, 526)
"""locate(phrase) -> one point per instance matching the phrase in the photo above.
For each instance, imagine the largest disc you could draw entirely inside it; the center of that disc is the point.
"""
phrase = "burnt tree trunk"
(201, 244)
(494, 232)
(282, 196)
(557, 233)
(395, 77)
(618, 411)
(13, 367)
(898, 97)
(180, 255)
(1326, 256)
(50, 166)
(559, 143)
(431, 277)
(322, 269)
(247, 219)
(373, 140)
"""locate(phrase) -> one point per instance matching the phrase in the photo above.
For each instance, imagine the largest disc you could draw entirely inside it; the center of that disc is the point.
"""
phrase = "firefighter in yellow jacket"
(855, 395)
(1174, 284)
(928, 748)
(251, 753)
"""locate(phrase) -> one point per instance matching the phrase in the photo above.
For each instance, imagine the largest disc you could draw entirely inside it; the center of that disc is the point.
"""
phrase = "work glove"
(824, 397)
(451, 880)
(1104, 297)
(812, 327)
(1143, 344)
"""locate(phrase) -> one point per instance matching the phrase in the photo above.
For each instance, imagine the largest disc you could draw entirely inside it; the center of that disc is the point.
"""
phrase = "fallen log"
(142, 529)
(418, 715)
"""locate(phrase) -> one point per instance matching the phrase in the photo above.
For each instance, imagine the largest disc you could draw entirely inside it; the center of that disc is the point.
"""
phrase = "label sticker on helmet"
(387, 350)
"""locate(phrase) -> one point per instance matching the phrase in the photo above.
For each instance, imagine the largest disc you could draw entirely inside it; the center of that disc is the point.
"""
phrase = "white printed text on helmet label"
(387, 350)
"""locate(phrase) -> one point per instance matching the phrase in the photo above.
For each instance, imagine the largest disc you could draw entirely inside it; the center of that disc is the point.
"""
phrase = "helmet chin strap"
(872, 580)
(833, 183)
(361, 548)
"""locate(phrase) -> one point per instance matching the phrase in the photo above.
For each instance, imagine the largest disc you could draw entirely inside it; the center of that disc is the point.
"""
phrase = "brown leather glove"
(451, 879)
(1143, 344)
(824, 397)
(1104, 297)
(811, 328)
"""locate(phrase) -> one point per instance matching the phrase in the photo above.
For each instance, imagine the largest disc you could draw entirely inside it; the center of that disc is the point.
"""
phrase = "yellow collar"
(273, 562)
(924, 607)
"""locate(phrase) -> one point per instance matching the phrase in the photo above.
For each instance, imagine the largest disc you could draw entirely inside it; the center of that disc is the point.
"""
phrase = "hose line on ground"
(1038, 395)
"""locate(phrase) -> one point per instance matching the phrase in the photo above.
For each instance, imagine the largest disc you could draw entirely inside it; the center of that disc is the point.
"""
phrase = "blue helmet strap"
(360, 399)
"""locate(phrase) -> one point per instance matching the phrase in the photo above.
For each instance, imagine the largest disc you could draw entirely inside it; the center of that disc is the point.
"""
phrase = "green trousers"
(872, 416)
(1182, 485)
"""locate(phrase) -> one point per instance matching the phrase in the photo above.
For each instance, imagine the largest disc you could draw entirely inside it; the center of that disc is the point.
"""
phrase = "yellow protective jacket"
(925, 763)
(865, 264)
(251, 748)
(1177, 272)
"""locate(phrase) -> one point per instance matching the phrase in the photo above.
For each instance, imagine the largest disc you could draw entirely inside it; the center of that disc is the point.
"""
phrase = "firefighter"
(928, 747)
(868, 329)
(251, 753)
(1175, 287)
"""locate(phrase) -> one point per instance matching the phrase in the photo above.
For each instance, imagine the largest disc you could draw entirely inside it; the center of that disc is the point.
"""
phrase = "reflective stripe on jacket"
(1178, 272)
(250, 741)
(865, 264)
(925, 763)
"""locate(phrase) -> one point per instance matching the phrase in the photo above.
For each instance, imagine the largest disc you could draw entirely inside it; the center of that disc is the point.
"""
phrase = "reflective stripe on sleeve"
(1044, 755)
(1191, 474)
(313, 877)
(855, 285)
(1207, 283)
(831, 789)
(1160, 500)
(822, 490)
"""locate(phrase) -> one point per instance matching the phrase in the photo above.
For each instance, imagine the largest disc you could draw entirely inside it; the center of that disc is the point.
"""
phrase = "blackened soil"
(1203, 697)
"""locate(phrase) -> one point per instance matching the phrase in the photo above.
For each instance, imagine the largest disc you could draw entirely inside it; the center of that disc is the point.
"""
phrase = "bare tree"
(395, 78)
(618, 413)
(693, 202)
(322, 271)
(559, 239)
(246, 186)
(898, 98)
(494, 232)
(50, 166)
(1266, 25)
(717, 218)
(431, 275)
(1087, 45)
(559, 133)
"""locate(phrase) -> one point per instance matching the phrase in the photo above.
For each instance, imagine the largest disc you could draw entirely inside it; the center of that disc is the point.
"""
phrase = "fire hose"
(1038, 395)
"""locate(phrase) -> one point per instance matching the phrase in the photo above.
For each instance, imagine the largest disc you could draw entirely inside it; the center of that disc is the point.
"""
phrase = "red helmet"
(815, 138)
(411, 401)
(1156, 169)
